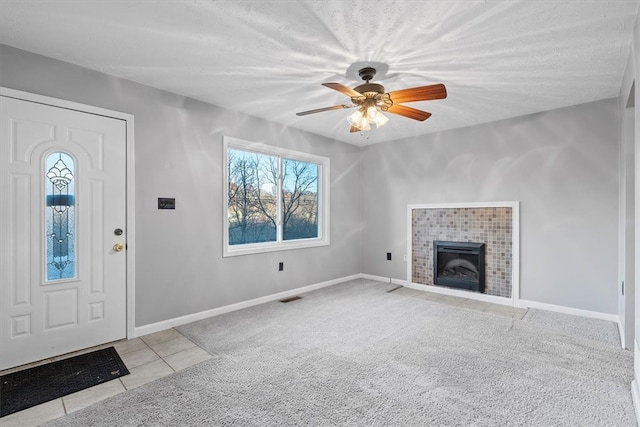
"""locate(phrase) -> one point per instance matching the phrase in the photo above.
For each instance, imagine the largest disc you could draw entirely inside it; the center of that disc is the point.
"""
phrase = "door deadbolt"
(118, 231)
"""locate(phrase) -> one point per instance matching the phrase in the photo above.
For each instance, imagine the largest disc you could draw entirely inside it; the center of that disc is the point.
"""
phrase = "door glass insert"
(60, 216)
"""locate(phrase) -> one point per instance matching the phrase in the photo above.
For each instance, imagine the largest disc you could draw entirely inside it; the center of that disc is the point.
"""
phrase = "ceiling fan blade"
(422, 93)
(319, 110)
(412, 113)
(344, 89)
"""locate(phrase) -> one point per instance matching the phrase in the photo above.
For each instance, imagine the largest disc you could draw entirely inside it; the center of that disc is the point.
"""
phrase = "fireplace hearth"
(459, 265)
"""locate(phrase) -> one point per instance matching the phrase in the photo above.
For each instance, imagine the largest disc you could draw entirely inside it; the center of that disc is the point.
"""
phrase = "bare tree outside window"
(249, 213)
(254, 189)
(299, 200)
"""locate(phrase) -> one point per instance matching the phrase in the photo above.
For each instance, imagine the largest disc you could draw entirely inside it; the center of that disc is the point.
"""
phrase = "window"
(60, 217)
(274, 199)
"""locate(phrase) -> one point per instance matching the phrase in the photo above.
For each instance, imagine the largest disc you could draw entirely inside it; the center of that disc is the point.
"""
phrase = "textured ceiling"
(498, 59)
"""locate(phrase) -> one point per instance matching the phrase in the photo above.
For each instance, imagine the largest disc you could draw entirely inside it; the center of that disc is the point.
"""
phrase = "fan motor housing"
(369, 87)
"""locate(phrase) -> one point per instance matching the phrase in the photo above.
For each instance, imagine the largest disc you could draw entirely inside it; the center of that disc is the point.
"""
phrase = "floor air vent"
(290, 299)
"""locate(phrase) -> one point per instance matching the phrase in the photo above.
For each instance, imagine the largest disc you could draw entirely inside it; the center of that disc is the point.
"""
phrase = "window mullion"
(280, 237)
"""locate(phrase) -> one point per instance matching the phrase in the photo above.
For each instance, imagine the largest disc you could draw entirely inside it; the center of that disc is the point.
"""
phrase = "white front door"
(62, 219)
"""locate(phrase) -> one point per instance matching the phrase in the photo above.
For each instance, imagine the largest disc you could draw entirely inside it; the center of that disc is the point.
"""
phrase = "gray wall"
(562, 166)
(626, 210)
(633, 74)
(178, 153)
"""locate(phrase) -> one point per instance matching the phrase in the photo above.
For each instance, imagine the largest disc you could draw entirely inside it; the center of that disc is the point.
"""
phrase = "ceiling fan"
(373, 101)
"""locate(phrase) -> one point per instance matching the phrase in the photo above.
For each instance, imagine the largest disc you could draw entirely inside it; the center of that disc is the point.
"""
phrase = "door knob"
(118, 247)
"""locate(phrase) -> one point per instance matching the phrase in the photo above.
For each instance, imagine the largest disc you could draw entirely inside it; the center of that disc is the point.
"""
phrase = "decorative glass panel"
(60, 216)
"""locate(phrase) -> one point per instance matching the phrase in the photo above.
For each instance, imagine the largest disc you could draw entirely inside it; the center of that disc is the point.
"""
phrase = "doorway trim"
(130, 182)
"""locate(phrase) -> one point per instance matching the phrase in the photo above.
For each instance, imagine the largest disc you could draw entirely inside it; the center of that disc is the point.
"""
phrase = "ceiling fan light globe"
(381, 120)
(355, 118)
(372, 113)
(364, 124)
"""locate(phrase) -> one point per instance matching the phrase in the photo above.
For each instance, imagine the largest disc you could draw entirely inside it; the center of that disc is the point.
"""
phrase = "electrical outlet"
(388, 256)
(281, 266)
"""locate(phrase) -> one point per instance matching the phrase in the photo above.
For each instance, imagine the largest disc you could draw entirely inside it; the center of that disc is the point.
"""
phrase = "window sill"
(259, 248)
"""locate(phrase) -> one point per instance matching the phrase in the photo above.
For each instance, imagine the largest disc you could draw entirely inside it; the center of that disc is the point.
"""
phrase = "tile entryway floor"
(148, 358)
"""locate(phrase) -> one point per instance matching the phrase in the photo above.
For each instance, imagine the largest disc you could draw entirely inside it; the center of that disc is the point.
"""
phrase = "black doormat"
(30, 387)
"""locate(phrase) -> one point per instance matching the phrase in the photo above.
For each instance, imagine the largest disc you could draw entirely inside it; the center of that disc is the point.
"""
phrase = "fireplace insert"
(459, 265)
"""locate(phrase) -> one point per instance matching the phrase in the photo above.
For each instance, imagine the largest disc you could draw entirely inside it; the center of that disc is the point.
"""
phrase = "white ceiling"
(498, 59)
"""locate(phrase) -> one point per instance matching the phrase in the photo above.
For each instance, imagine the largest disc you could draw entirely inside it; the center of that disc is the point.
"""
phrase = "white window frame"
(278, 245)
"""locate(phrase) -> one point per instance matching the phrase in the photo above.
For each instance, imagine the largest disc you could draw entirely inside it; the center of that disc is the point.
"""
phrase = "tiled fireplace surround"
(489, 225)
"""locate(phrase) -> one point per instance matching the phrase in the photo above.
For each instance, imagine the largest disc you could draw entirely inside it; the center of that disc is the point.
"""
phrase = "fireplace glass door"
(459, 265)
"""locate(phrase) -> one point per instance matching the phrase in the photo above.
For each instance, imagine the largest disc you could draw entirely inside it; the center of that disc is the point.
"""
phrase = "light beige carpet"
(354, 355)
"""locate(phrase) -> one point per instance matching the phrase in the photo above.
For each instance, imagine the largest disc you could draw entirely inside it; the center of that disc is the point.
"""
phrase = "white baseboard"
(178, 321)
(635, 391)
(383, 279)
(621, 333)
(499, 300)
(635, 395)
(183, 320)
(569, 310)
(462, 294)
